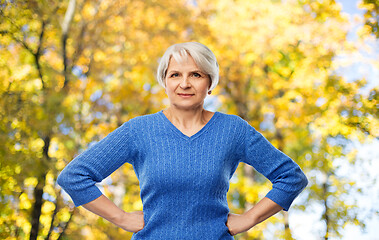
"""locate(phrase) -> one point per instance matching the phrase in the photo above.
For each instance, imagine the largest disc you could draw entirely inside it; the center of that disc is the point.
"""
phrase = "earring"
(209, 92)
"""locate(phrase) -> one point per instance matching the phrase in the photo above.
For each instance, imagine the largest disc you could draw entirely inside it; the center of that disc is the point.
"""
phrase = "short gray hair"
(201, 54)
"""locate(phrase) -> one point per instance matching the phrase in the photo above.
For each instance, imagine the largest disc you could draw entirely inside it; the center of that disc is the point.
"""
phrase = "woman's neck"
(187, 119)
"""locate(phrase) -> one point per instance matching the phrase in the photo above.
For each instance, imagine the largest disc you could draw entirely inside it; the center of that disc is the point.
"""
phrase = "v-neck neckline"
(180, 133)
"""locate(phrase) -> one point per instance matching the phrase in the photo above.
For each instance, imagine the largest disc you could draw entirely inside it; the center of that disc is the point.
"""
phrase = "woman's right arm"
(80, 176)
(97, 162)
(105, 208)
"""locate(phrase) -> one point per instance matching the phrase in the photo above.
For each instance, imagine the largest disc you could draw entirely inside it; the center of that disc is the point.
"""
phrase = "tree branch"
(52, 220)
(65, 27)
(24, 44)
(66, 225)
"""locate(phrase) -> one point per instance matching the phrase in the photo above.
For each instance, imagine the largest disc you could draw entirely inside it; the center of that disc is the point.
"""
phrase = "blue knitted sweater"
(183, 180)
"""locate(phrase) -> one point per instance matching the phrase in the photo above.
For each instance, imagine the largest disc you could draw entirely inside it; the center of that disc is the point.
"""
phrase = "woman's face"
(186, 84)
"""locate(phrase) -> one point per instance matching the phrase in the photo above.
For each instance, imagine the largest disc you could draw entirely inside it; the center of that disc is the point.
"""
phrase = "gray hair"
(201, 54)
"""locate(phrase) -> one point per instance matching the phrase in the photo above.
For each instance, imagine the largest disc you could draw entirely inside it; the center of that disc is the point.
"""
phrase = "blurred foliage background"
(72, 71)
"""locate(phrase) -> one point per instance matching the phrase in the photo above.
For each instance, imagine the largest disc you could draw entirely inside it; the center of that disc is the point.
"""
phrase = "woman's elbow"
(63, 179)
(303, 180)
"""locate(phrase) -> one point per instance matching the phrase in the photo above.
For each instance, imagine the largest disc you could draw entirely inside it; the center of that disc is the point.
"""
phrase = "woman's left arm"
(287, 179)
(261, 211)
(286, 176)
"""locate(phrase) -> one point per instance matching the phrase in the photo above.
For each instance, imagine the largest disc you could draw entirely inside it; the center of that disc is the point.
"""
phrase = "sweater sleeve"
(286, 176)
(97, 162)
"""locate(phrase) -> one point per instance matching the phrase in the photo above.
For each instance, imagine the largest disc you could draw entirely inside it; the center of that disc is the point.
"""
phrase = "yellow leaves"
(151, 16)
(279, 84)
(116, 22)
(351, 156)
(88, 11)
(48, 207)
(330, 124)
(17, 169)
(15, 124)
(36, 145)
(257, 231)
(261, 41)
(30, 182)
(284, 71)
(58, 150)
(99, 56)
(54, 60)
(60, 82)
(364, 31)
(283, 122)
(272, 58)
(24, 224)
(60, 165)
(366, 5)
(64, 215)
(49, 188)
(138, 205)
(33, 85)
(293, 95)
(374, 126)
(172, 27)
(24, 201)
(251, 196)
(10, 183)
(21, 72)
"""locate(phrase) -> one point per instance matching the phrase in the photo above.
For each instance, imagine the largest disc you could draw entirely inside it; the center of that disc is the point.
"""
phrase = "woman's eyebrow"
(198, 71)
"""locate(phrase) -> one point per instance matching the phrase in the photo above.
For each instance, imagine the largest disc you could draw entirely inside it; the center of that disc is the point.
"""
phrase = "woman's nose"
(185, 83)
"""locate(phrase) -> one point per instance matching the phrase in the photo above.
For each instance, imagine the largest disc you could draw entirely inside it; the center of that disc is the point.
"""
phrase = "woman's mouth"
(185, 95)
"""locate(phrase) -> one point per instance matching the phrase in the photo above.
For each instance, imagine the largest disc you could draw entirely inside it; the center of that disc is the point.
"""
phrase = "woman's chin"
(187, 107)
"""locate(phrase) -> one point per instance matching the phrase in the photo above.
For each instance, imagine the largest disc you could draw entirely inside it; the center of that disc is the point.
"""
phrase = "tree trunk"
(38, 193)
(65, 28)
(52, 219)
(36, 212)
(65, 226)
(326, 213)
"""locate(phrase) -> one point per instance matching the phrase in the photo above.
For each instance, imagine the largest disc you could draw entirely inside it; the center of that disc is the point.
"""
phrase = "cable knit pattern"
(183, 180)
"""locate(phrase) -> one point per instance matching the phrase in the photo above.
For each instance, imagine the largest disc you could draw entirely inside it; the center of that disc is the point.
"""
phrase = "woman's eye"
(174, 75)
(196, 75)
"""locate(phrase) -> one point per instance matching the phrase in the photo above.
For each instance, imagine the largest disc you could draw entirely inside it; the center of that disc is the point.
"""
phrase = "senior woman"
(184, 157)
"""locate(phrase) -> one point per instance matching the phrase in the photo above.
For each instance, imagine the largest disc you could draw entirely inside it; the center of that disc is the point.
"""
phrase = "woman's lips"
(185, 95)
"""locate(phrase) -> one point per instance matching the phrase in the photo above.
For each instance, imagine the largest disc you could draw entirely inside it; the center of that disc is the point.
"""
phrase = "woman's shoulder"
(142, 120)
(232, 118)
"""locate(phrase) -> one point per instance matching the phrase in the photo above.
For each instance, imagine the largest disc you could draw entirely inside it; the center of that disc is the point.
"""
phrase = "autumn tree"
(371, 15)
(72, 71)
(277, 72)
